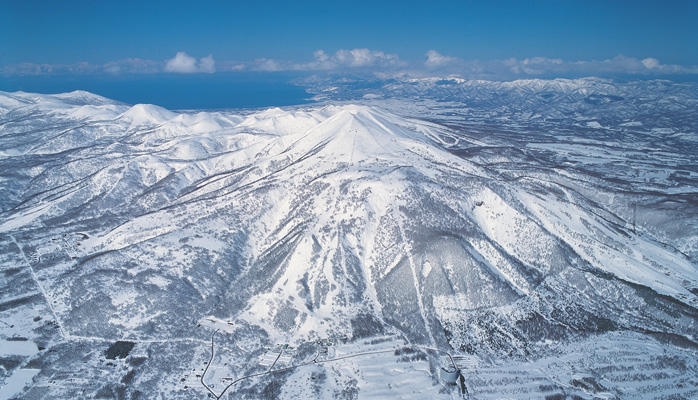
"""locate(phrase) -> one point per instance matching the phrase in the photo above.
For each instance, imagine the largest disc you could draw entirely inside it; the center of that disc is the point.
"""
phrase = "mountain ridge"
(294, 225)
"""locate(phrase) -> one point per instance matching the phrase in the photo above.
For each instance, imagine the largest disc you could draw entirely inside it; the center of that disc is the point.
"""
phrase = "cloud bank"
(542, 66)
(363, 59)
(183, 63)
(341, 60)
(132, 66)
(357, 58)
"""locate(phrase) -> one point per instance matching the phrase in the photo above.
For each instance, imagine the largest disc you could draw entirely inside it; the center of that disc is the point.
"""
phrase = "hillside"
(510, 244)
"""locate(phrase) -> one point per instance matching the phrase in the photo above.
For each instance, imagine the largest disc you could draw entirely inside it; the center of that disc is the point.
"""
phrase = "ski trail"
(415, 277)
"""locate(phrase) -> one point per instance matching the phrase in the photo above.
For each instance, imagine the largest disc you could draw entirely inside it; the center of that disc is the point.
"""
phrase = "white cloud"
(650, 63)
(133, 66)
(183, 63)
(320, 55)
(341, 59)
(322, 61)
(112, 69)
(31, 69)
(207, 64)
(269, 65)
(366, 58)
(436, 60)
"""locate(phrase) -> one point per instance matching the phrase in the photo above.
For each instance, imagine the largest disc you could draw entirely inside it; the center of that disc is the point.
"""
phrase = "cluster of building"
(69, 244)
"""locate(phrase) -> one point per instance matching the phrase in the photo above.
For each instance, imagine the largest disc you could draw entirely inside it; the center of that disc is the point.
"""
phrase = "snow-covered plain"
(523, 229)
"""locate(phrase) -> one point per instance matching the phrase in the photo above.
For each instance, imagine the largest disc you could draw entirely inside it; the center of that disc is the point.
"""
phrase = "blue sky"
(92, 37)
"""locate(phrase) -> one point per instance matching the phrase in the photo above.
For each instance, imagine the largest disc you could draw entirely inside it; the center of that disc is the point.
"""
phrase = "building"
(449, 376)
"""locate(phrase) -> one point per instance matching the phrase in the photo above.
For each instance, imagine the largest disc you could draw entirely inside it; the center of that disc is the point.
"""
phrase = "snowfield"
(520, 231)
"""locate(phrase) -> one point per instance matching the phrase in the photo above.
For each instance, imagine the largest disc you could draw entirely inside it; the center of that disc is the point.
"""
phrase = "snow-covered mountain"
(665, 106)
(507, 243)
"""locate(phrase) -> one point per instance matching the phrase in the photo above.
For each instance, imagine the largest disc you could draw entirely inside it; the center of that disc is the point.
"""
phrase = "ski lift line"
(314, 361)
(277, 359)
(43, 292)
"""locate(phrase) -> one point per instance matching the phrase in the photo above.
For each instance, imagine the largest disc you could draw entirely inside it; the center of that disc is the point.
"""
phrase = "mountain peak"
(147, 114)
(350, 134)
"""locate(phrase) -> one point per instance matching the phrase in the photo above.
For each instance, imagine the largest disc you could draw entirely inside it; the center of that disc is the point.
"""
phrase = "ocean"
(175, 92)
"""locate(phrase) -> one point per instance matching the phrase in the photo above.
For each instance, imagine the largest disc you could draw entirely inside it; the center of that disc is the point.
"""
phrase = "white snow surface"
(203, 143)
(292, 223)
